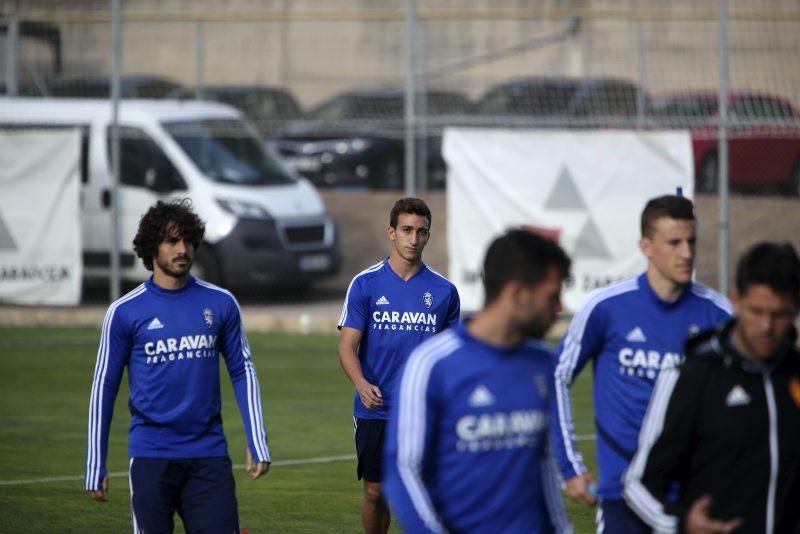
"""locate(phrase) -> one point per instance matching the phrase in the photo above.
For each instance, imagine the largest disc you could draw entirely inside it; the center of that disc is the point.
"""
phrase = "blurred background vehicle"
(356, 138)
(763, 133)
(270, 108)
(131, 86)
(564, 102)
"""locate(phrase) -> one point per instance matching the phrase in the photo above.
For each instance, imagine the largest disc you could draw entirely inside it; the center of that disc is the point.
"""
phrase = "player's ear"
(390, 232)
(644, 245)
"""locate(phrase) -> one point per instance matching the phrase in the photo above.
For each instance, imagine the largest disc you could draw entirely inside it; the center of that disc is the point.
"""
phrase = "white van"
(264, 225)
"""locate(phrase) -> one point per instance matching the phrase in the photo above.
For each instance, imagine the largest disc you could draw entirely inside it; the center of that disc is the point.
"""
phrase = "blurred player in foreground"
(468, 448)
(726, 425)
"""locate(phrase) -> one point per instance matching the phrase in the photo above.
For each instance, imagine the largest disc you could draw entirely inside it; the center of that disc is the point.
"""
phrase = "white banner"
(40, 230)
(587, 188)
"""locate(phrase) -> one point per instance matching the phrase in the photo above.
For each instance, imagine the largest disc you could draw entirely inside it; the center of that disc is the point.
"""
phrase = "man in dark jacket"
(725, 426)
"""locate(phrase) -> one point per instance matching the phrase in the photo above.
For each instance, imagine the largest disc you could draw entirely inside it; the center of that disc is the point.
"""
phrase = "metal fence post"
(116, 62)
(723, 147)
(12, 45)
(410, 88)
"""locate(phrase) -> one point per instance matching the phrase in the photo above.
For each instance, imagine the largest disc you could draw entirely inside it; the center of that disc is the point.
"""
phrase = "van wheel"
(205, 265)
(708, 174)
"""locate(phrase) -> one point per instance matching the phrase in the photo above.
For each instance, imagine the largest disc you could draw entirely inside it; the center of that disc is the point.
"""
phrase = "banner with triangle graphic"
(40, 230)
(585, 189)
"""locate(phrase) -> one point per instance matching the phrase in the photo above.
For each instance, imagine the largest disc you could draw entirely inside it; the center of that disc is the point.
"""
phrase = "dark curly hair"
(154, 224)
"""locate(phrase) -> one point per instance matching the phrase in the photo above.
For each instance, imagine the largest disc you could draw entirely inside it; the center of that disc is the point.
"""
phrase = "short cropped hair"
(671, 206)
(773, 265)
(415, 206)
(155, 223)
(521, 255)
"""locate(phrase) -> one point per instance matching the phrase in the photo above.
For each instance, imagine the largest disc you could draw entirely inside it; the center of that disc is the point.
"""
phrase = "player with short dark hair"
(170, 333)
(390, 308)
(630, 331)
(468, 448)
(726, 424)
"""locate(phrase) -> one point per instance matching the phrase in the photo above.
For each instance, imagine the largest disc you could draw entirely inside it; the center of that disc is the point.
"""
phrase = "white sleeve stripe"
(411, 422)
(94, 452)
(256, 416)
(566, 419)
(568, 360)
(717, 298)
(343, 316)
(635, 493)
(552, 492)
(438, 274)
(254, 412)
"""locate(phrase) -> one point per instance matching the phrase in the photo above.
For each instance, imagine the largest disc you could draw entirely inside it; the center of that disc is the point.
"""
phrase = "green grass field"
(45, 380)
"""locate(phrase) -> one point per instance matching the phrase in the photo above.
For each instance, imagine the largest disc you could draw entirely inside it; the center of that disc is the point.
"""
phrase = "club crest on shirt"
(208, 317)
(427, 298)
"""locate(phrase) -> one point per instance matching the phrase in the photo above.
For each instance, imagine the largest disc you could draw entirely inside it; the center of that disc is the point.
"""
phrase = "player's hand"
(101, 495)
(699, 522)
(371, 396)
(582, 489)
(256, 470)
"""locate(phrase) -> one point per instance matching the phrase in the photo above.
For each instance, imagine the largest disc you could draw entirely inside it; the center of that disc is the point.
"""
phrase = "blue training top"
(629, 334)
(467, 448)
(394, 316)
(171, 342)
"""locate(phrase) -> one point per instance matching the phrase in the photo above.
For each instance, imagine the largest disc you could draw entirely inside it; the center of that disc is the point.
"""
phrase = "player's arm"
(112, 355)
(663, 449)
(582, 342)
(243, 375)
(454, 311)
(408, 445)
(551, 484)
(349, 339)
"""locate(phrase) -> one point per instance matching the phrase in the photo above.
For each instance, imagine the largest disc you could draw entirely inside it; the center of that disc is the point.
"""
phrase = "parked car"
(131, 86)
(764, 138)
(357, 137)
(269, 108)
(564, 102)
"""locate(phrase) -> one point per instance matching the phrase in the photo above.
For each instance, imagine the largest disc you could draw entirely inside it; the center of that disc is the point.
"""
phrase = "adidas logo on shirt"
(737, 397)
(636, 335)
(481, 397)
(383, 301)
(155, 324)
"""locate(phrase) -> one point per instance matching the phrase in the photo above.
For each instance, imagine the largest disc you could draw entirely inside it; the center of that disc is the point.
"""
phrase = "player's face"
(670, 250)
(764, 320)
(540, 305)
(175, 255)
(410, 236)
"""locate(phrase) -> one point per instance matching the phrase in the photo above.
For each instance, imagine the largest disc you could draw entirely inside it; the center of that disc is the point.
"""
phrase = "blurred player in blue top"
(630, 331)
(468, 448)
(170, 333)
(389, 309)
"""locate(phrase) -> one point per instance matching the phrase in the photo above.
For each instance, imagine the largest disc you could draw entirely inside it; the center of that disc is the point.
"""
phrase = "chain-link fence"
(327, 84)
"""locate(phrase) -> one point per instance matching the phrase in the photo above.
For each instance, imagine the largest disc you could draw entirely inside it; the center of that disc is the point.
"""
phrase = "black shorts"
(201, 490)
(370, 435)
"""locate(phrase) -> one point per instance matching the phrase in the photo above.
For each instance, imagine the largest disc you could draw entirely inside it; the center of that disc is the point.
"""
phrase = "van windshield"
(227, 151)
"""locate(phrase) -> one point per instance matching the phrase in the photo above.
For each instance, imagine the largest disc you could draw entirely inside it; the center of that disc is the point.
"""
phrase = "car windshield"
(387, 107)
(684, 108)
(534, 100)
(228, 151)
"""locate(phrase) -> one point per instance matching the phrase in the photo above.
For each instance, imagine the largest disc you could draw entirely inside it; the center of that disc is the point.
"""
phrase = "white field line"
(279, 463)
